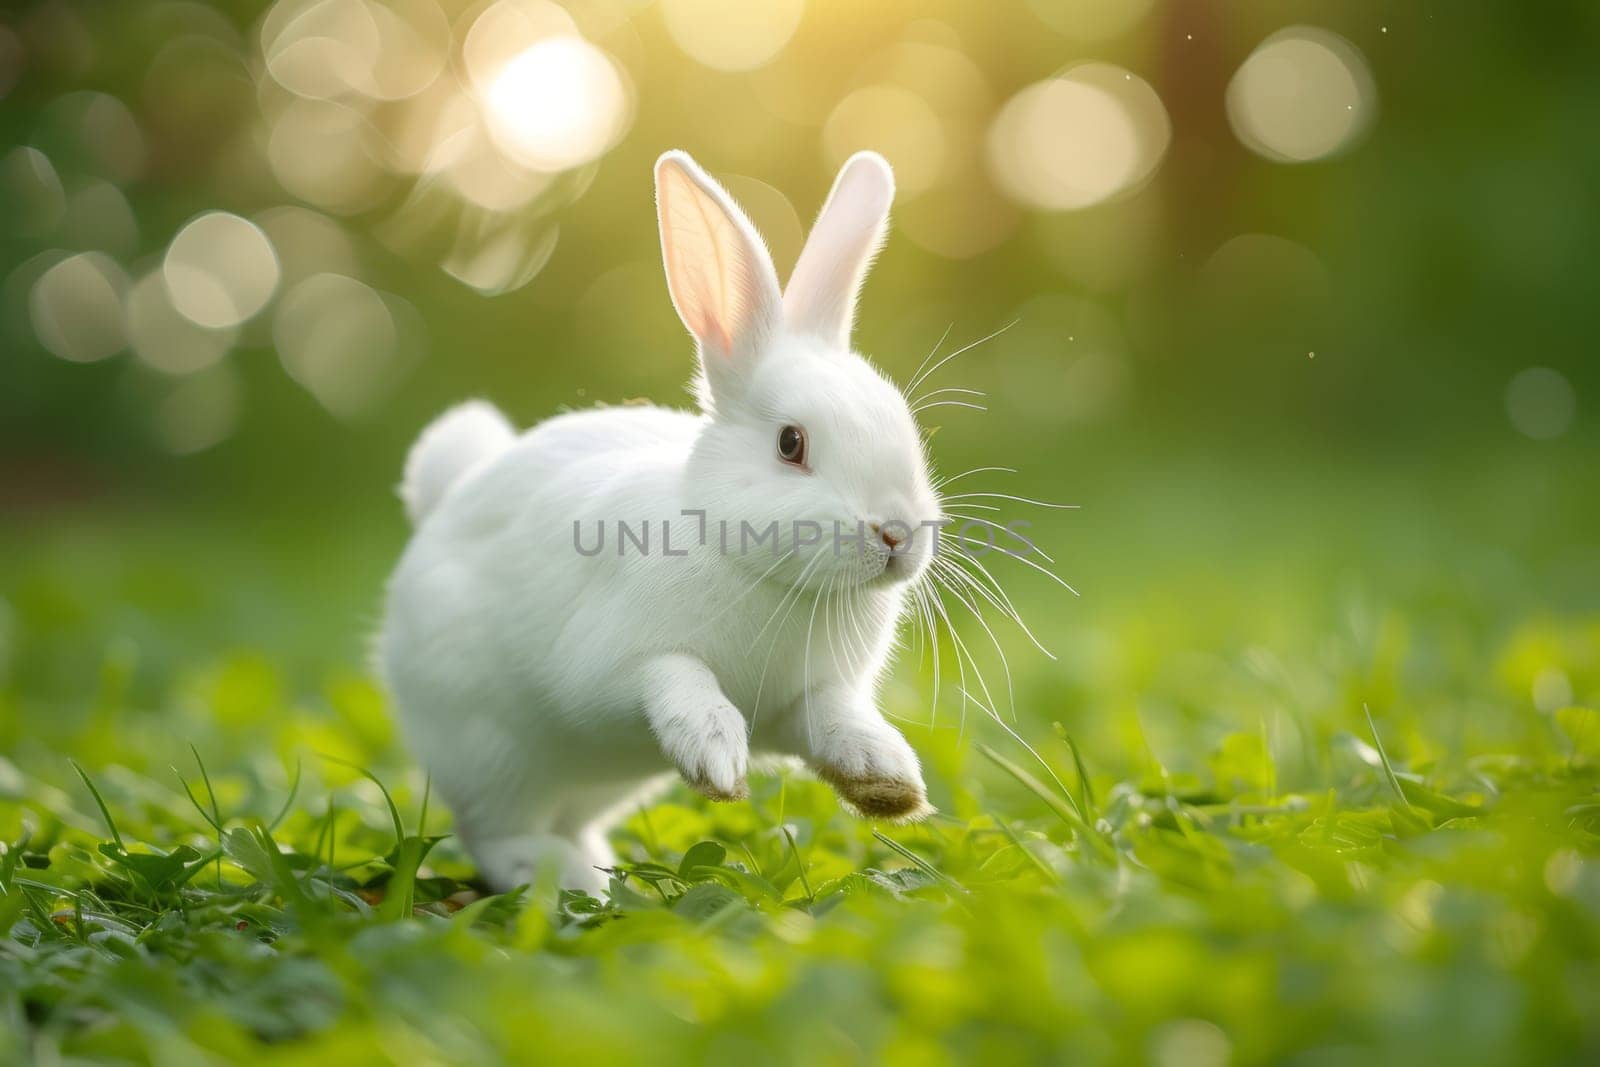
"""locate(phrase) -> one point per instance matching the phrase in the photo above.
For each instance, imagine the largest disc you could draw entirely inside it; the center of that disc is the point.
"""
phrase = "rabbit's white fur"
(454, 443)
(544, 688)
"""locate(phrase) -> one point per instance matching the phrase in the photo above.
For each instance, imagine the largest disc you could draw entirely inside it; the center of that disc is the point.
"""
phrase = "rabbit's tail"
(454, 443)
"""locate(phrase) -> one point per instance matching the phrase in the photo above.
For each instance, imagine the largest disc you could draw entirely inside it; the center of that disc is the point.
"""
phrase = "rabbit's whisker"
(795, 590)
(918, 403)
(972, 606)
(917, 374)
(1030, 546)
(828, 618)
(777, 635)
(962, 654)
(930, 394)
(874, 623)
(1026, 562)
(932, 630)
(977, 614)
(780, 561)
(805, 676)
(848, 602)
(1014, 499)
(941, 483)
(931, 371)
(998, 598)
(930, 405)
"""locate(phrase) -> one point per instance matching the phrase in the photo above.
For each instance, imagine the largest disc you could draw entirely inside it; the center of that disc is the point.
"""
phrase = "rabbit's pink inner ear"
(713, 262)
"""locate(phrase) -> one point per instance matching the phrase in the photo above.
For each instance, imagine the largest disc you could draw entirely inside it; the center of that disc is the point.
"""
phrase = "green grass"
(1282, 810)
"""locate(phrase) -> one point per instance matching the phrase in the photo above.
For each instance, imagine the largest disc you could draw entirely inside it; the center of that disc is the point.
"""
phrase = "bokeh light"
(1080, 138)
(1191, 1043)
(31, 197)
(197, 91)
(325, 49)
(94, 133)
(559, 104)
(320, 48)
(1091, 20)
(1263, 292)
(16, 297)
(481, 175)
(959, 220)
(98, 217)
(506, 29)
(12, 57)
(307, 243)
(319, 152)
(895, 122)
(76, 307)
(461, 164)
(165, 339)
(199, 412)
(732, 35)
(342, 341)
(1303, 94)
(220, 270)
(953, 209)
(1541, 403)
(496, 259)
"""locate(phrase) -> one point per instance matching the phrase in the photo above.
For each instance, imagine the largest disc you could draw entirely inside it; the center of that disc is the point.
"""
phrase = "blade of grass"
(1383, 757)
(800, 864)
(105, 812)
(394, 811)
(204, 814)
(294, 789)
(11, 857)
(1012, 836)
(1087, 805)
(333, 833)
(422, 819)
(921, 864)
(216, 811)
(1054, 802)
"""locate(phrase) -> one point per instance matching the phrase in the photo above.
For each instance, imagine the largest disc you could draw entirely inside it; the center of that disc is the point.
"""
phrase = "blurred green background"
(1299, 291)
(1301, 315)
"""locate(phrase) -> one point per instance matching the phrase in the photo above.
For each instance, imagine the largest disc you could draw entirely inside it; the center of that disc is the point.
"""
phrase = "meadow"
(1287, 800)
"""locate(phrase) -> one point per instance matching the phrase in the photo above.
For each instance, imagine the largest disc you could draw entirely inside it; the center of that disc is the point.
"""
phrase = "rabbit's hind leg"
(593, 812)
(515, 837)
(541, 859)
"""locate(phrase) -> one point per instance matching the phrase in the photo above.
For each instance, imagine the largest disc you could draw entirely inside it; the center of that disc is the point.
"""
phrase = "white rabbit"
(546, 686)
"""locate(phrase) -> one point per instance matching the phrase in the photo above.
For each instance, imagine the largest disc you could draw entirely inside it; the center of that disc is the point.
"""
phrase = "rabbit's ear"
(821, 297)
(718, 270)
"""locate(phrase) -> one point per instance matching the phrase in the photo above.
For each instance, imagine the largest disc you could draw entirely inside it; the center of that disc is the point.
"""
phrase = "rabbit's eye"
(792, 445)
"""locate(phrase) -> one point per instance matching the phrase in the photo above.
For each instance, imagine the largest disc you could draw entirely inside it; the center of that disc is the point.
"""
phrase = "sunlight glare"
(559, 104)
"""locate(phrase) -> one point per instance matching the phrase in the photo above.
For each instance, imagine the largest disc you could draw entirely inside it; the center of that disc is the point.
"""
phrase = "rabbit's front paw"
(714, 755)
(874, 771)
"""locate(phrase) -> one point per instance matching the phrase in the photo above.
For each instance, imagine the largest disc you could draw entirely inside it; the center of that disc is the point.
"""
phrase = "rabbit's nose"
(890, 537)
